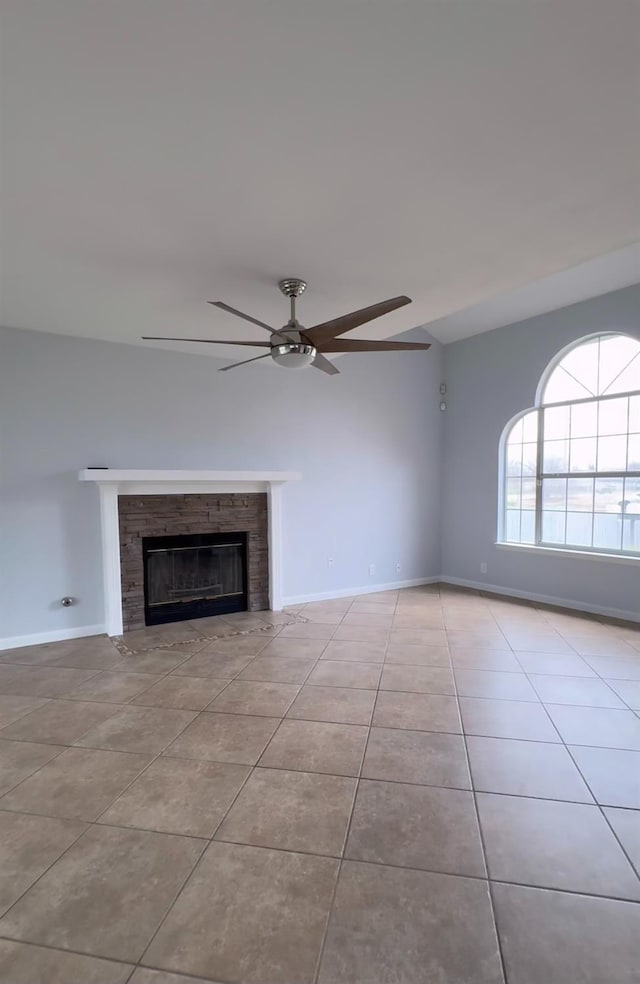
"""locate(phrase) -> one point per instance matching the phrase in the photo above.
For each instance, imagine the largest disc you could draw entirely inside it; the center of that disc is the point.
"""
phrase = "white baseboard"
(54, 635)
(348, 592)
(577, 606)
(60, 635)
(79, 632)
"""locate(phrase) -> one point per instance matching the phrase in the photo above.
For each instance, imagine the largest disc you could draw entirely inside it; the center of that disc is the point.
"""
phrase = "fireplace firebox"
(194, 575)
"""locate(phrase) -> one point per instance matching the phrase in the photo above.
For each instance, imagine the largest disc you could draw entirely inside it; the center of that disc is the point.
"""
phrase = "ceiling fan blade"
(338, 326)
(208, 341)
(240, 314)
(365, 345)
(321, 363)
(245, 363)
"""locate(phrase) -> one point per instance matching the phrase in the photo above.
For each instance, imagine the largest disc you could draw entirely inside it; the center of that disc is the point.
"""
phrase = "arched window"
(571, 465)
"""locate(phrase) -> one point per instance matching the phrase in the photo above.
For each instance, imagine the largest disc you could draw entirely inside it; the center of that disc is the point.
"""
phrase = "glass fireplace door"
(194, 575)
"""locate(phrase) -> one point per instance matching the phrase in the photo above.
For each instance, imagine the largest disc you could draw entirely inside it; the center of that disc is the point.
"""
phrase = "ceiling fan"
(295, 347)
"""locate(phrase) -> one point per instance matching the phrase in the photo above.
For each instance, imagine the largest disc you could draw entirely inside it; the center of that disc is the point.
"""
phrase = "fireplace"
(135, 504)
(193, 576)
(191, 583)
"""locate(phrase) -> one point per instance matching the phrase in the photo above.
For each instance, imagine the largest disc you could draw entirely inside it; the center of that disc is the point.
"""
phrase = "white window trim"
(623, 558)
(534, 548)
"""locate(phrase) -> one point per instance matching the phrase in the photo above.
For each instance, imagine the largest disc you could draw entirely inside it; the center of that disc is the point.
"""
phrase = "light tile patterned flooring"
(419, 787)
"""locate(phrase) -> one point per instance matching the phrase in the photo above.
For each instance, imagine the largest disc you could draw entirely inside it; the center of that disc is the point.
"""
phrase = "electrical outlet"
(483, 568)
(330, 562)
(397, 568)
(372, 570)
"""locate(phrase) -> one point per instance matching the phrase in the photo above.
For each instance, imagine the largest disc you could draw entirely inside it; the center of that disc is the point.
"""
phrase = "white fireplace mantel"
(113, 482)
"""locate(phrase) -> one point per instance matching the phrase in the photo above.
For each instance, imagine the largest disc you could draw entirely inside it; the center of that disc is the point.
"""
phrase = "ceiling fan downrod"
(296, 352)
(293, 287)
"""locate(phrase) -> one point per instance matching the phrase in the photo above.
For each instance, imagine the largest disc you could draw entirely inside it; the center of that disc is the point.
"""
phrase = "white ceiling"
(161, 153)
(612, 271)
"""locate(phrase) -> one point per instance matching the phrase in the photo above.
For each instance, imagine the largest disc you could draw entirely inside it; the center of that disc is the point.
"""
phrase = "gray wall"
(490, 377)
(368, 443)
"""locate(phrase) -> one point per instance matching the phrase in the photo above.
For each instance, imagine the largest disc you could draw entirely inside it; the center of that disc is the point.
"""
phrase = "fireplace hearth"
(194, 575)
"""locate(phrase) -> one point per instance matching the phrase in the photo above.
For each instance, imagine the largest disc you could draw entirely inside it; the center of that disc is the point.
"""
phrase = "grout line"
(177, 895)
(87, 826)
(349, 821)
(201, 855)
(252, 768)
(485, 879)
(62, 748)
(60, 949)
(483, 846)
(163, 972)
(210, 840)
(174, 900)
(431, 871)
(600, 807)
(208, 710)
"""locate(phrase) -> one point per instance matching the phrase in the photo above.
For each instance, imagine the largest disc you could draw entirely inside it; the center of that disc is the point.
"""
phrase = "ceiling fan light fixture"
(293, 355)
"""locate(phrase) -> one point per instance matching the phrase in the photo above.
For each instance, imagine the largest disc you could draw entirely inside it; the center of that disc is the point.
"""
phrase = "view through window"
(572, 464)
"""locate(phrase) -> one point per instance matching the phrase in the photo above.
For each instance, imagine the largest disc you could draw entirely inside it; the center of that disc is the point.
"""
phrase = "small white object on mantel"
(113, 482)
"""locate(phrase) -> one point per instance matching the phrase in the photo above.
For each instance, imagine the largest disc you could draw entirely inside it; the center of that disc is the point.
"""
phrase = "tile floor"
(419, 787)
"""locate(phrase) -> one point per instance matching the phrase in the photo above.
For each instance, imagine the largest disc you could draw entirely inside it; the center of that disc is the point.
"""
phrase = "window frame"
(540, 545)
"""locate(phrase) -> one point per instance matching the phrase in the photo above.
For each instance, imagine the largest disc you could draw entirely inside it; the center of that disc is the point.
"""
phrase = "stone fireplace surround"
(172, 515)
(219, 499)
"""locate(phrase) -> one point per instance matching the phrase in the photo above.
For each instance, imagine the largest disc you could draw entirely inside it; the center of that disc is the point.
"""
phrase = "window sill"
(580, 554)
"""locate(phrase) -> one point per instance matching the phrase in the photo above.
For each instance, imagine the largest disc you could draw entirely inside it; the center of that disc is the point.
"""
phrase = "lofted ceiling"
(161, 153)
